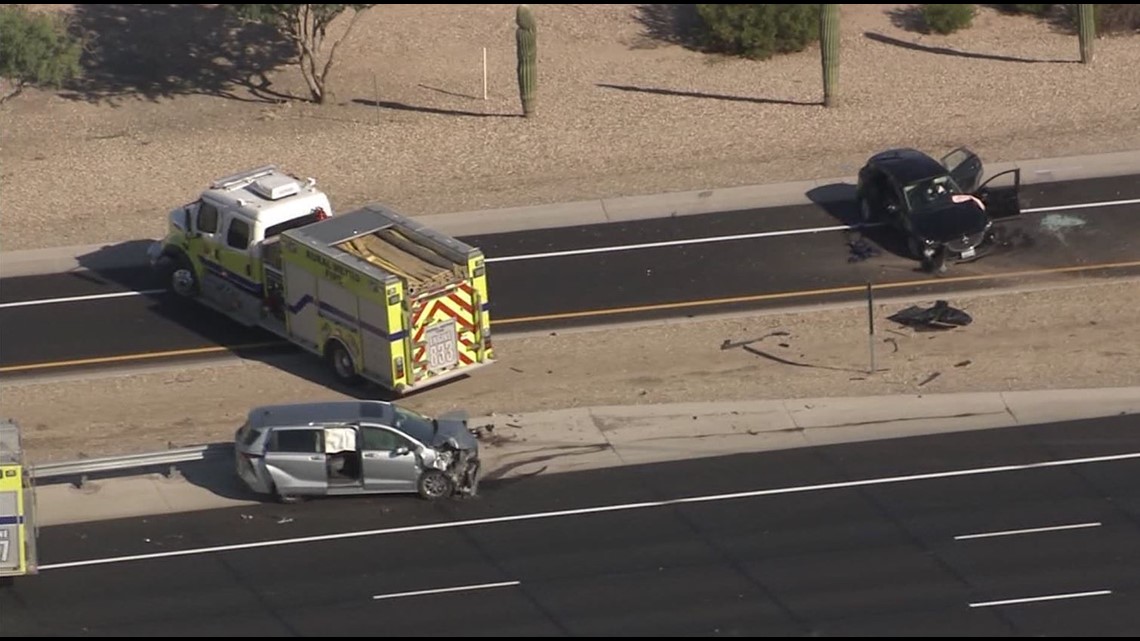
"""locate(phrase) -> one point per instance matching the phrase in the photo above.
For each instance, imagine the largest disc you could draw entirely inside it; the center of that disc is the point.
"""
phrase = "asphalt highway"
(547, 279)
(1026, 531)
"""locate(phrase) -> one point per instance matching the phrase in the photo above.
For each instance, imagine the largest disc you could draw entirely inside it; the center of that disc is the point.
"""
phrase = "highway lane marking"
(104, 360)
(963, 537)
(604, 250)
(501, 259)
(126, 358)
(673, 243)
(79, 299)
(766, 234)
(462, 588)
(1107, 203)
(1053, 597)
(621, 507)
(849, 289)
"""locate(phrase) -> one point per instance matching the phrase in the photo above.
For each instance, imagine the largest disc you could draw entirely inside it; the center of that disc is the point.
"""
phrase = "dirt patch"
(1076, 337)
(625, 106)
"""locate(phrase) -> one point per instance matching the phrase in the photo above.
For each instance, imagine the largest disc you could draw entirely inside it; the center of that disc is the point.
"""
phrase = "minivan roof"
(320, 412)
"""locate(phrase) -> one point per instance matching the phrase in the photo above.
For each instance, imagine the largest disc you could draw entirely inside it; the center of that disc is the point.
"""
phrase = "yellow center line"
(811, 292)
(197, 351)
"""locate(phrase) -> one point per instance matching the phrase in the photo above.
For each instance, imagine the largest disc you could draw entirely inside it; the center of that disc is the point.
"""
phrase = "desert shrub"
(1031, 9)
(947, 18)
(36, 49)
(1110, 18)
(759, 31)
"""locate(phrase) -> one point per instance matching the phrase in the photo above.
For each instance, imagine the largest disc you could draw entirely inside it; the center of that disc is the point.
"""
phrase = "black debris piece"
(785, 361)
(894, 344)
(963, 363)
(930, 378)
(940, 316)
(861, 250)
(729, 343)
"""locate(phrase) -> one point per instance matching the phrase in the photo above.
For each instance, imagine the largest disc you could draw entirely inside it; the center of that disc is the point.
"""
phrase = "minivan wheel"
(434, 484)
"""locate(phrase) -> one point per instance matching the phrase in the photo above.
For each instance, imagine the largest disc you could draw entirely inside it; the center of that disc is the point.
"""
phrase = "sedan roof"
(908, 165)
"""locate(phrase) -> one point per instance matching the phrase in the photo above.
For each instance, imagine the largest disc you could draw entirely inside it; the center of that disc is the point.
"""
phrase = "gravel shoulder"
(1081, 335)
(622, 110)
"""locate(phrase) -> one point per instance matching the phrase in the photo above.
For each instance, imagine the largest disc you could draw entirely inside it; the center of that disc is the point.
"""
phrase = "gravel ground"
(1081, 336)
(622, 110)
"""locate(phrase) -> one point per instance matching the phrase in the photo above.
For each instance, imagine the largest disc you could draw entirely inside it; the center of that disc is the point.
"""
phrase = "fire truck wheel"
(179, 276)
(341, 363)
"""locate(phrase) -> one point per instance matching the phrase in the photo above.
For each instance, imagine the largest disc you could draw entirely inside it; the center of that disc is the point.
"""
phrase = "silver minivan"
(299, 450)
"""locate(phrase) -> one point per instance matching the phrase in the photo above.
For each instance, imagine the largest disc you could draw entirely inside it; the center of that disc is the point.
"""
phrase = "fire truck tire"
(341, 363)
(178, 275)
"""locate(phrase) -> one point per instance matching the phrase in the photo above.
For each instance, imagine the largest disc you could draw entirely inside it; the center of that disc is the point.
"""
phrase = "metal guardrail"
(132, 461)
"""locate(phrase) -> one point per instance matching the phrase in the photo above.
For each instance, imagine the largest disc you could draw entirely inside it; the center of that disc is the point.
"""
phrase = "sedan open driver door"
(964, 167)
(1002, 199)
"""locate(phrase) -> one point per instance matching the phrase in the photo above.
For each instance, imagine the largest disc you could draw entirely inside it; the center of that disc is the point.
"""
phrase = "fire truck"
(18, 530)
(379, 296)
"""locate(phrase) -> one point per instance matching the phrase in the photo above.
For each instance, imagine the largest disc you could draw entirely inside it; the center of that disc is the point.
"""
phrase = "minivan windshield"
(415, 424)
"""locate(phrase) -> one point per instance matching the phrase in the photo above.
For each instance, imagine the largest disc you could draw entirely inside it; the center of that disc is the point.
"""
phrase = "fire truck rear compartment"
(422, 268)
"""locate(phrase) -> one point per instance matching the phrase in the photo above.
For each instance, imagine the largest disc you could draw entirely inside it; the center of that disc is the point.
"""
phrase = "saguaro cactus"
(526, 48)
(1086, 24)
(829, 52)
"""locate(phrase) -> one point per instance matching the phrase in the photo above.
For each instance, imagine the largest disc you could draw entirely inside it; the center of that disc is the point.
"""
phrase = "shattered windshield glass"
(930, 194)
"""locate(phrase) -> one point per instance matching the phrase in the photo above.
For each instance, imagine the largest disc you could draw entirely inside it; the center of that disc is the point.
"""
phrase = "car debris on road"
(939, 316)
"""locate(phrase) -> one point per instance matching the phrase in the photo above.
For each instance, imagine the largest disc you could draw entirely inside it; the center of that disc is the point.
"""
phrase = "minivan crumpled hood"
(951, 222)
(454, 428)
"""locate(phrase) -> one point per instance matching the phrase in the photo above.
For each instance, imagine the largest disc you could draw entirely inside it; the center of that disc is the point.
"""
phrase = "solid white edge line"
(481, 586)
(610, 249)
(1107, 203)
(1054, 528)
(673, 243)
(1052, 597)
(77, 299)
(447, 525)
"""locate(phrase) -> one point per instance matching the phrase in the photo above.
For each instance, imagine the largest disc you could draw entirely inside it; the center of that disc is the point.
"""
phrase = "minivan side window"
(377, 439)
(248, 435)
(308, 441)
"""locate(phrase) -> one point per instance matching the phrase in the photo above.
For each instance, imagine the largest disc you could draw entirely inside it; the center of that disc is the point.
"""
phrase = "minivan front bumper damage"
(462, 467)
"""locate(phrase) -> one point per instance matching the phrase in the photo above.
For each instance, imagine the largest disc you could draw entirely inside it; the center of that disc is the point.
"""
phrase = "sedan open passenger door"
(1002, 197)
(964, 167)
